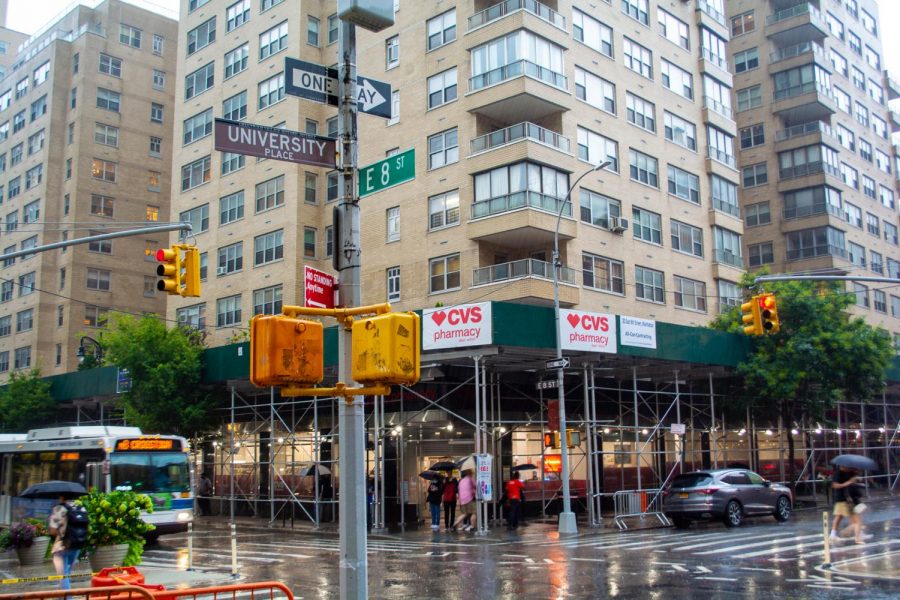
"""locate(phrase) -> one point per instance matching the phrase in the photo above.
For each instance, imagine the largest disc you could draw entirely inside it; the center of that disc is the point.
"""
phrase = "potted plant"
(116, 530)
(29, 538)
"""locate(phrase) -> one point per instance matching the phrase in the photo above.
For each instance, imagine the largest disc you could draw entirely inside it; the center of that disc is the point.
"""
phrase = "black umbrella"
(54, 489)
(444, 465)
(854, 461)
(525, 467)
(429, 475)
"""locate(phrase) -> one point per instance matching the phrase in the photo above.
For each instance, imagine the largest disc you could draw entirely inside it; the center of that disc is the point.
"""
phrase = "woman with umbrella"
(842, 486)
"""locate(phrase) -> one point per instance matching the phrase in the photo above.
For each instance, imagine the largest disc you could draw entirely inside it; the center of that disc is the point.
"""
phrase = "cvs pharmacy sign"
(457, 326)
(587, 331)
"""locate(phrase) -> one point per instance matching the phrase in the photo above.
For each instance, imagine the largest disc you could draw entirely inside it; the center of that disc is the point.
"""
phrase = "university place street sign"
(320, 84)
(278, 144)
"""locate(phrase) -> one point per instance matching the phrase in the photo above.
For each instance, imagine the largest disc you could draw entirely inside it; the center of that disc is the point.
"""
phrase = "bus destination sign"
(146, 445)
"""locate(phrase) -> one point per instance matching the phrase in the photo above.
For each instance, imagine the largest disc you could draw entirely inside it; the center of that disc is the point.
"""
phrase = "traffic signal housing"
(386, 349)
(169, 270)
(768, 313)
(551, 439)
(190, 279)
(750, 317)
(285, 351)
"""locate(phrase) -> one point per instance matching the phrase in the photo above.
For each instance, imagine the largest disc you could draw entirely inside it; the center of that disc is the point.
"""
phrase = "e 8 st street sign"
(386, 173)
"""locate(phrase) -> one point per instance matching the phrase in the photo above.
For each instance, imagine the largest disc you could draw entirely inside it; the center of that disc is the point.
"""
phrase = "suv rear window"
(690, 480)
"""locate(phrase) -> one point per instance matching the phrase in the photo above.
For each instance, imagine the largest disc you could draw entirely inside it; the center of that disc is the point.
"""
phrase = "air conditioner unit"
(222, 270)
(618, 224)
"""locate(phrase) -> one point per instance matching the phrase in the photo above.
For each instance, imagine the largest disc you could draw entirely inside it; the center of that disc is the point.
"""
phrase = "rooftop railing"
(501, 9)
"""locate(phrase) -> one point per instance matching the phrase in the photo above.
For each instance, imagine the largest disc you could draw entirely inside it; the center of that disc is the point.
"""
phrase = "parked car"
(727, 494)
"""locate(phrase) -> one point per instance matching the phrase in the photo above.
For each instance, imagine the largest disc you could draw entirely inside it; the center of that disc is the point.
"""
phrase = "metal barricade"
(263, 590)
(638, 503)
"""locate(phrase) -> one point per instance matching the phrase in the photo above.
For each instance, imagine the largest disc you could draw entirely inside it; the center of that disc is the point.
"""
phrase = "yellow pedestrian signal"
(169, 270)
(284, 351)
(768, 313)
(750, 317)
(386, 349)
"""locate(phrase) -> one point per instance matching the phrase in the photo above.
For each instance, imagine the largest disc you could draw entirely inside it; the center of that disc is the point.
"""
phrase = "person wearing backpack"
(68, 524)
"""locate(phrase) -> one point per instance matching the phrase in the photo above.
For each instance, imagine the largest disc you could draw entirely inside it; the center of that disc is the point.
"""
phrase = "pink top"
(466, 490)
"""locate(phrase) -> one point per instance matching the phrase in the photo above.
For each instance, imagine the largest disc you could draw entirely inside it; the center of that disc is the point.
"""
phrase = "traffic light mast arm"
(765, 278)
(344, 315)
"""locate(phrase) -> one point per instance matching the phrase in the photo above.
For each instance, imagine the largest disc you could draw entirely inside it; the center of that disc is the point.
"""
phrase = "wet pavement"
(761, 559)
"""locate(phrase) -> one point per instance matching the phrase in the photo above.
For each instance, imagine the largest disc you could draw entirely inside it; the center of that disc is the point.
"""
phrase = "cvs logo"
(589, 322)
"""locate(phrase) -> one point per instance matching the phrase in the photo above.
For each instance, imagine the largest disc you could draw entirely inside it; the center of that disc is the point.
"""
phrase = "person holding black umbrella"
(843, 481)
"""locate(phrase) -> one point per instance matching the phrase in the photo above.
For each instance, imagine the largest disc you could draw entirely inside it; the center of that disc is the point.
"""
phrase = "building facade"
(86, 113)
(818, 169)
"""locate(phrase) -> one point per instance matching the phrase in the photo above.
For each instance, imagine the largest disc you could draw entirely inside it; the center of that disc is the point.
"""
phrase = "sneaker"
(467, 528)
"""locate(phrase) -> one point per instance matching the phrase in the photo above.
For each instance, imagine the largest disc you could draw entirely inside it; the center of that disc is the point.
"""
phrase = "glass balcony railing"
(794, 11)
(728, 257)
(804, 88)
(520, 131)
(715, 59)
(501, 9)
(805, 169)
(712, 11)
(518, 200)
(809, 210)
(796, 50)
(721, 156)
(726, 207)
(517, 69)
(517, 269)
(814, 251)
(716, 106)
(804, 129)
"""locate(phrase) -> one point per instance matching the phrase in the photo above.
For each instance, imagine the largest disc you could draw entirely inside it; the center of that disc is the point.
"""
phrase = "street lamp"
(566, 517)
(98, 349)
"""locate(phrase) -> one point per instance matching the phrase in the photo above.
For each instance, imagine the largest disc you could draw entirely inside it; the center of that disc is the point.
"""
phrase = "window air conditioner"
(618, 224)
(222, 270)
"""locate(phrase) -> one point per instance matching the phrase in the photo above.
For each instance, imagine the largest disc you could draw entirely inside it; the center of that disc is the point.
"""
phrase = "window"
(676, 79)
(274, 40)
(153, 180)
(108, 100)
(649, 285)
(198, 126)
(100, 246)
(882, 161)
(441, 29)
(443, 148)
(754, 175)
(228, 310)
(22, 358)
(849, 176)
(312, 31)
(683, 184)
(158, 44)
(597, 209)
(873, 225)
(110, 65)
(879, 301)
(442, 88)
(862, 114)
(98, 279)
(838, 62)
(812, 201)
(752, 136)
(235, 108)
(748, 98)
(861, 291)
(637, 9)
(199, 81)
(268, 301)
(73, 99)
(195, 173)
(854, 42)
(724, 196)
(151, 213)
(727, 247)
(268, 247)
(674, 29)
(4, 361)
(640, 112)
(267, 4)
(130, 36)
(331, 187)
(106, 134)
(841, 99)
(594, 90)
(231, 162)
(444, 273)
(746, 60)
(890, 233)
(638, 58)
(231, 208)
(6, 99)
(39, 107)
(333, 28)
(886, 196)
(6, 290)
(33, 176)
(393, 224)
(155, 146)
(687, 238)
(31, 212)
(865, 150)
(443, 210)
(236, 60)
(820, 241)
(876, 92)
(643, 168)
(15, 187)
(156, 112)
(270, 91)
(231, 259)
(869, 23)
(201, 36)
(198, 217)
(856, 254)
(742, 23)
(21, 88)
(192, 316)
(329, 241)
(393, 284)
(872, 58)
(690, 294)
(310, 188)
(760, 254)
(392, 52)
(646, 225)
(876, 262)
(102, 206)
(683, 133)
(19, 121)
(103, 170)
(592, 32)
(721, 146)
(595, 148)
(237, 14)
(309, 242)
(270, 193)
(41, 73)
(5, 326)
(159, 79)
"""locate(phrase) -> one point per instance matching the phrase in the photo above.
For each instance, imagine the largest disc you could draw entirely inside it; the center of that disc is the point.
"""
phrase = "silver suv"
(727, 494)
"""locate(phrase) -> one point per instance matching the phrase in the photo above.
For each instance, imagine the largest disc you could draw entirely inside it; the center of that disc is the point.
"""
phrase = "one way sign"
(320, 84)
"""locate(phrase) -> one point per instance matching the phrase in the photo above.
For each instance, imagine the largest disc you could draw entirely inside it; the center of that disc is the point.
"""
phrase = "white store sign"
(587, 331)
(638, 332)
(457, 327)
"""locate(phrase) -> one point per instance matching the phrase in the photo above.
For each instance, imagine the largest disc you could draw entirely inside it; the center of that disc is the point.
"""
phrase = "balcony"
(727, 257)
(718, 115)
(804, 134)
(502, 9)
(522, 90)
(812, 210)
(892, 85)
(811, 101)
(798, 55)
(895, 120)
(800, 23)
(529, 281)
(721, 156)
(526, 219)
(728, 208)
(712, 18)
(716, 66)
(806, 169)
(815, 252)
(515, 133)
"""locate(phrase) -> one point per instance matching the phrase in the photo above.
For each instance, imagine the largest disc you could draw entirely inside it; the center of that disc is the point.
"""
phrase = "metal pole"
(637, 428)
(712, 428)
(478, 425)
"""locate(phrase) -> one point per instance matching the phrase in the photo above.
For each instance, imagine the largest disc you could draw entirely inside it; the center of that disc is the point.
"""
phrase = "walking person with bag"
(68, 524)
(450, 491)
(466, 502)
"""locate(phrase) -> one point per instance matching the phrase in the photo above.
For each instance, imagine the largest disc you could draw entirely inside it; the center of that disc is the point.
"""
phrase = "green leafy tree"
(821, 355)
(26, 402)
(164, 366)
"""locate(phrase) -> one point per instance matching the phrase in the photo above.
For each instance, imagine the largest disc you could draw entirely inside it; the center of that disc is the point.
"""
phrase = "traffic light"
(284, 351)
(169, 270)
(551, 439)
(750, 317)
(573, 438)
(386, 349)
(768, 313)
(191, 277)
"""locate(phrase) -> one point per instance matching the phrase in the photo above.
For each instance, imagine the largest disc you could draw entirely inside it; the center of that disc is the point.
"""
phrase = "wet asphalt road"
(761, 559)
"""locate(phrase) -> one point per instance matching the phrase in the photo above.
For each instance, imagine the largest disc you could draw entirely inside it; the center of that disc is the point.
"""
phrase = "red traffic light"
(766, 301)
(165, 254)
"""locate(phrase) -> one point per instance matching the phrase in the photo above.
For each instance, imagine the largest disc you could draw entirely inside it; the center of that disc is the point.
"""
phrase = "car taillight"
(708, 491)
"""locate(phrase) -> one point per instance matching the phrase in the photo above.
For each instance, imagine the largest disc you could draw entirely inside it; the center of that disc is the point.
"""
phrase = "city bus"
(98, 457)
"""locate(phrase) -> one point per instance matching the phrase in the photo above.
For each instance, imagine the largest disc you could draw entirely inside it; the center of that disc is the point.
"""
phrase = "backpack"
(77, 521)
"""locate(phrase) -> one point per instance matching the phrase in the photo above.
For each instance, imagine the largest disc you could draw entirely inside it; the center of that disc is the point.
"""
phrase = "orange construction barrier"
(111, 576)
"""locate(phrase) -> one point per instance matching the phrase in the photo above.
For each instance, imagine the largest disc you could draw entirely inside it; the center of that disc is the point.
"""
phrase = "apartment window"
(752, 136)
(268, 248)
(267, 4)
(637, 58)
(748, 98)
(812, 201)
(22, 88)
(724, 196)
(876, 92)
(34, 176)
(201, 36)
(199, 81)
(274, 40)
(594, 90)
(155, 146)
(679, 131)
(754, 175)
(156, 112)
(231, 162)
(393, 223)
(879, 301)
(873, 225)
(312, 31)
(441, 29)
(444, 273)
(742, 23)
(310, 188)
(649, 285)
(687, 238)
(5, 326)
(333, 28)
(392, 52)
(592, 32)
(809, 243)
(886, 196)
(757, 214)
(442, 88)
(198, 126)
(98, 279)
(331, 187)
(690, 294)
(856, 254)
(309, 242)
(100, 246)
(103, 170)
(230, 258)
(876, 262)
(443, 148)
(270, 91)
(862, 114)
(890, 233)
(760, 254)
(15, 186)
(393, 284)
(108, 100)
(329, 241)
(39, 108)
(41, 73)
(195, 173)
(19, 121)
(643, 168)
(28, 244)
(882, 161)
(869, 23)
(872, 58)
(236, 60)
(268, 301)
(683, 184)
(854, 42)
(6, 290)
(228, 310)
(865, 150)
(637, 9)
(640, 112)
(676, 79)
(106, 134)
(31, 212)
(746, 60)
(849, 176)
(838, 62)
(198, 217)
(727, 247)
(110, 65)
(235, 108)
(158, 44)
(841, 99)
(595, 148)
(4, 361)
(22, 358)
(602, 273)
(862, 293)
(674, 29)
(192, 316)
(130, 36)
(721, 146)
(646, 225)
(6, 99)
(237, 14)
(597, 209)
(231, 208)
(102, 206)
(159, 79)
(270, 193)
(443, 210)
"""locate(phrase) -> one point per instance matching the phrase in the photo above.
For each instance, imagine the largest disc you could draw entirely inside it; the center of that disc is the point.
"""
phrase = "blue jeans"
(65, 559)
(435, 514)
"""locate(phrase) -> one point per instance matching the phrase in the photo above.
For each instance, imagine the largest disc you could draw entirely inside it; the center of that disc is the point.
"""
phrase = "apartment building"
(86, 113)
(506, 104)
(818, 169)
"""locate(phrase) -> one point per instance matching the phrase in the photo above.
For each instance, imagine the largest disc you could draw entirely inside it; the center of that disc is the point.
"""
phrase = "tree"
(164, 366)
(26, 402)
(821, 355)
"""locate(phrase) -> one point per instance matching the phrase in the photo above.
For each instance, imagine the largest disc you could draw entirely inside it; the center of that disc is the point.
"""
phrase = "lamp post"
(98, 350)
(567, 524)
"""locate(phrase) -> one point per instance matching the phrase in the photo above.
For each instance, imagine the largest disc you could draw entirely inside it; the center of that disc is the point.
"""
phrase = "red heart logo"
(573, 319)
(438, 317)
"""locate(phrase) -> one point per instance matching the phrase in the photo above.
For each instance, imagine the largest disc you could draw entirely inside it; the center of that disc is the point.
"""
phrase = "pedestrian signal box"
(284, 351)
(551, 440)
(386, 349)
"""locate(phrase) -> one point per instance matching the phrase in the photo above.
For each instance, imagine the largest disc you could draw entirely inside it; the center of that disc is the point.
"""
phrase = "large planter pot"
(108, 556)
(35, 553)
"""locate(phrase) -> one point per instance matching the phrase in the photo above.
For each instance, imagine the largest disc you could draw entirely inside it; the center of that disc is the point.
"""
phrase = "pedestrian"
(450, 487)
(466, 502)
(842, 483)
(204, 494)
(66, 548)
(435, 494)
(514, 495)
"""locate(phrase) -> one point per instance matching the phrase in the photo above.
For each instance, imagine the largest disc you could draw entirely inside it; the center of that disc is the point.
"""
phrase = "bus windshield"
(150, 472)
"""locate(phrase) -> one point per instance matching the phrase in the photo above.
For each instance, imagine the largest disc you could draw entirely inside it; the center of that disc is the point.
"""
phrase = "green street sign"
(386, 173)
